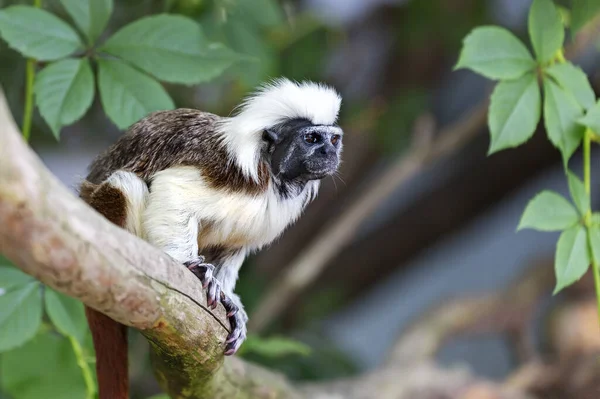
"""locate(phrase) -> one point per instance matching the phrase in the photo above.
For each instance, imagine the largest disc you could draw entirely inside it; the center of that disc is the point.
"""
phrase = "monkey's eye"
(335, 139)
(311, 138)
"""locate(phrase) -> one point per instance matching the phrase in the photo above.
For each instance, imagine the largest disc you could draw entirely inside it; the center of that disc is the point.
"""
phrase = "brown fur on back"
(181, 137)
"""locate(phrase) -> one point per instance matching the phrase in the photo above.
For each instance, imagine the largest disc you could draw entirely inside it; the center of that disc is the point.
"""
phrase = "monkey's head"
(301, 150)
(292, 125)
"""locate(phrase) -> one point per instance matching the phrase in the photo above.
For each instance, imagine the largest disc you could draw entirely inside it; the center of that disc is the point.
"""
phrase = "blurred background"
(418, 231)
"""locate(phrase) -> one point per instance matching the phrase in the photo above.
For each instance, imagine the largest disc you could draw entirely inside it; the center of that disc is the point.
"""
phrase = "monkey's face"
(303, 151)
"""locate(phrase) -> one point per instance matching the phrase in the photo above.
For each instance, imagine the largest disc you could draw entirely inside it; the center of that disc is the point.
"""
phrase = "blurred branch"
(307, 267)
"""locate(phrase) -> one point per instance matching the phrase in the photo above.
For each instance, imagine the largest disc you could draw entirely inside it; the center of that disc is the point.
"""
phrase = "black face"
(302, 151)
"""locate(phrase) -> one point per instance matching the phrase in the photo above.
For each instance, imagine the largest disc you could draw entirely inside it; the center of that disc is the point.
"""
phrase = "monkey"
(209, 190)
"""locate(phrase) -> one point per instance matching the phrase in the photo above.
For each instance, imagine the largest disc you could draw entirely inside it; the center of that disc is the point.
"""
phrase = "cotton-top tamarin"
(208, 190)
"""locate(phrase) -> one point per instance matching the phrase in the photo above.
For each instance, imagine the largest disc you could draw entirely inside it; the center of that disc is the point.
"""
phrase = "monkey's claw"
(238, 326)
(204, 272)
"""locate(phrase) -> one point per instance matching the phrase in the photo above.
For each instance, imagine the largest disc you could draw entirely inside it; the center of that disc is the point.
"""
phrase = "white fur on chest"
(233, 219)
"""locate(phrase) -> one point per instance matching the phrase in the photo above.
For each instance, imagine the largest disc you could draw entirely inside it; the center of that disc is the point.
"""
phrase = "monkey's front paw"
(237, 319)
(204, 272)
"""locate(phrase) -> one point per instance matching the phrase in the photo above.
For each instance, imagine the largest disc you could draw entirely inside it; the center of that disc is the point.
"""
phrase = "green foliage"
(495, 53)
(514, 112)
(549, 211)
(127, 94)
(273, 347)
(545, 29)
(582, 12)
(171, 48)
(578, 194)
(66, 314)
(561, 113)
(45, 367)
(91, 16)
(64, 91)
(20, 314)
(37, 33)
(592, 118)
(572, 257)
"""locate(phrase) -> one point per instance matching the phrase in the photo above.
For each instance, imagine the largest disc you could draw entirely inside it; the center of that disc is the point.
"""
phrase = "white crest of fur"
(272, 104)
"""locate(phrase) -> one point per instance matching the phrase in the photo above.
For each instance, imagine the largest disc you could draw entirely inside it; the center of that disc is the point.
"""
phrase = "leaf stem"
(85, 368)
(29, 80)
(587, 182)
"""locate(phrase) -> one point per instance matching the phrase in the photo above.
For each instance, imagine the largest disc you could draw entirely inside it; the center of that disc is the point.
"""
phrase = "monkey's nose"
(328, 149)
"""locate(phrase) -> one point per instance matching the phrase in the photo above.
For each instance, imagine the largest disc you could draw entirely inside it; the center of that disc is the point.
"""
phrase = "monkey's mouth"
(320, 170)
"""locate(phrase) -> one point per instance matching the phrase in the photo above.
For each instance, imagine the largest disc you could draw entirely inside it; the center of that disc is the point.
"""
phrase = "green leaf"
(495, 53)
(561, 115)
(274, 347)
(514, 112)
(594, 232)
(11, 277)
(548, 211)
(160, 396)
(572, 79)
(583, 11)
(577, 189)
(172, 48)
(596, 218)
(45, 367)
(37, 34)
(592, 118)
(572, 257)
(64, 91)
(127, 94)
(67, 314)
(20, 315)
(545, 29)
(82, 11)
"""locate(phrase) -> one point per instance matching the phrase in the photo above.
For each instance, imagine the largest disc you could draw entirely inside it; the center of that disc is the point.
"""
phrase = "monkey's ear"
(271, 136)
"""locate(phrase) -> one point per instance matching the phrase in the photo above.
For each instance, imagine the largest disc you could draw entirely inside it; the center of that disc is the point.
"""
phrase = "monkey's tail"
(121, 199)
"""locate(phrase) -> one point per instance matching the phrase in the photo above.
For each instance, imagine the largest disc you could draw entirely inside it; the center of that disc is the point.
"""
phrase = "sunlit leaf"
(545, 29)
(561, 115)
(37, 33)
(91, 16)
(64, 92)
(496, 53)
(572, 257)
(20, 315)
(173, 48)
(67, 314)
(572, 79)
(592, 118)
(128, 95)
(549, 211)
(577, 189)
(514, 112)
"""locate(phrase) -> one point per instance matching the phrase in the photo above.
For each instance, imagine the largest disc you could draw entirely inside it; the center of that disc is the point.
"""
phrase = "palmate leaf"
(549, 211)
(64, 92)
(561, 116)
(572, 257)
(128, 95)
(20, 315)
(37, 34)
(66, 313)
(495, 53)
(514, 112)
(91, 16)
(172, 48)
(572, 79)
(545, 29)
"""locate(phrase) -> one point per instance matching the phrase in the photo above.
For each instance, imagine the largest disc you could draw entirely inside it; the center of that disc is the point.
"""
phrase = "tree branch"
(57, 238)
